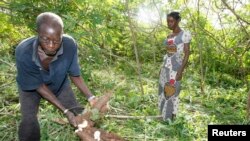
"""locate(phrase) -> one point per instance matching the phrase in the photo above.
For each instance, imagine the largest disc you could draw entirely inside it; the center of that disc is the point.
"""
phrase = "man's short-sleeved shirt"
(30, 73)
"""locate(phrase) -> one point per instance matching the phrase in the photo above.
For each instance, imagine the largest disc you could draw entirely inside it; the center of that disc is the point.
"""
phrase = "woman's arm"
(184, 61)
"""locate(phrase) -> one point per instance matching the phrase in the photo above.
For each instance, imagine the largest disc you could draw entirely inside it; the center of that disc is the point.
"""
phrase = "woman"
(174, 62)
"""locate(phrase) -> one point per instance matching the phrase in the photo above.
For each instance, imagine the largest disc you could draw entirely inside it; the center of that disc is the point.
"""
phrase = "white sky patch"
(150, 14)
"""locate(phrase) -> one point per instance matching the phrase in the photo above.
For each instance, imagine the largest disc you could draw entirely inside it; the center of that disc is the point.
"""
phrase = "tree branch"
(9, 64)
(232, 10)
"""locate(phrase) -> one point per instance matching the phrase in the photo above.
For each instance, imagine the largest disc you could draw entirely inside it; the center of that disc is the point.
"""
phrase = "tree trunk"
(248, 105)
(135, 47)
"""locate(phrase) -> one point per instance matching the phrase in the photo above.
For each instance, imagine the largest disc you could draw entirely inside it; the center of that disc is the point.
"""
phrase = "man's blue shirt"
(30, 73)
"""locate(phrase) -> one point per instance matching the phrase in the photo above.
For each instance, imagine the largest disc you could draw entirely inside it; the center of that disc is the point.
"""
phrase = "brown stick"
(233, 11)
(133, 117)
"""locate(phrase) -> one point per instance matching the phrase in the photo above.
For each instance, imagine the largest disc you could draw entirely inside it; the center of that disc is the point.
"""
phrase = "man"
(43, 66)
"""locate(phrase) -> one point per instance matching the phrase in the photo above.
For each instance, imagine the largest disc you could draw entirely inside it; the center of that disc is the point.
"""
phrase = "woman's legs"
(169, 107)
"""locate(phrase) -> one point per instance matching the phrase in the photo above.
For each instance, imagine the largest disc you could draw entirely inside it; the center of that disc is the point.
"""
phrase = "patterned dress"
(172, 61)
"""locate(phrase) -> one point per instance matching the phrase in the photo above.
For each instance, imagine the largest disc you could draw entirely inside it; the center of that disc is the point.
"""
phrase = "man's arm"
(45, 92)
(184, 61)
(79, 82)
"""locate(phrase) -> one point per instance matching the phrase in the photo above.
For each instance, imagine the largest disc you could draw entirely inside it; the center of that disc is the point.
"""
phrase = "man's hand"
(93, 101)
(71, 118)
(178, 76)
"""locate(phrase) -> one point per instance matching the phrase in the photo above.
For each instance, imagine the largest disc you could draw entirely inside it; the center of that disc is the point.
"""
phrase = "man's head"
(173, 20)
(50, 31)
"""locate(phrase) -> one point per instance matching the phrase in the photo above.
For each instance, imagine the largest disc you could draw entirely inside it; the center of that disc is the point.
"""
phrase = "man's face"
(172, 23)
(50, 38)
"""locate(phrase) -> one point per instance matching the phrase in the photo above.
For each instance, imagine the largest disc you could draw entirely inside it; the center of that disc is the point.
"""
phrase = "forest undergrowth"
(221, 104)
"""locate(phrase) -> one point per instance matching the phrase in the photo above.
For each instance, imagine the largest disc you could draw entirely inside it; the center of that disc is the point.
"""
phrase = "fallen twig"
(133, 117)
(61, 121)
(7, 84)
(142, 138)
(12, 65)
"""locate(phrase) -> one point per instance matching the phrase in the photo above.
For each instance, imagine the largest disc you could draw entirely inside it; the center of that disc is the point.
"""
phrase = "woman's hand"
(178, 76)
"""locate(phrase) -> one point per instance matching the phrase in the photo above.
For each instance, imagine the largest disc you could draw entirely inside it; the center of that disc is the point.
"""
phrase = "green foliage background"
(214, 88)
